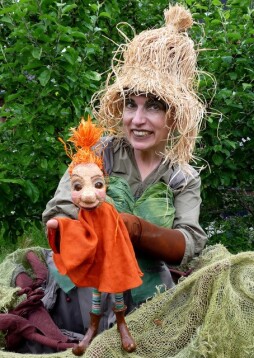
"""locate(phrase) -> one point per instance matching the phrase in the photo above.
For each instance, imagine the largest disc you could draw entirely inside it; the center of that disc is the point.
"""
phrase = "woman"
(153, 108)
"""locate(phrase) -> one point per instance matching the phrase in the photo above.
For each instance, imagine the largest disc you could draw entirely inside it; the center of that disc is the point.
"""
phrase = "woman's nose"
(139, 116)
(88, 196)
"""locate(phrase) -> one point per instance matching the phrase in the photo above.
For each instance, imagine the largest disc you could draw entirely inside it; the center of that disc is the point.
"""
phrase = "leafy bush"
(55, 55)
(235, 233)
(231, 224)
(51, 53)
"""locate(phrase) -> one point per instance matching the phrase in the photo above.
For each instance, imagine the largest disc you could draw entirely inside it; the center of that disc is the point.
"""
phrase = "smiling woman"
(151, 103)
(147, 128)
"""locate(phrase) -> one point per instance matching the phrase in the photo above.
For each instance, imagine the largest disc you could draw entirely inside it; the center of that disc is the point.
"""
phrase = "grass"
(34, 236)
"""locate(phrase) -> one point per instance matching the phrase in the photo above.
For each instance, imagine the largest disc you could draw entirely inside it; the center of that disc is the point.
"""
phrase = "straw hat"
(161, 62)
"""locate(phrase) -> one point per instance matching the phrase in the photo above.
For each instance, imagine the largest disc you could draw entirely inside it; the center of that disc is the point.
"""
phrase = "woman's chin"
(141, 144)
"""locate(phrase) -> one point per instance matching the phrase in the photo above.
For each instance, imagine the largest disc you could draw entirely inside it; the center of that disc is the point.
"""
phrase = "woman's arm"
(61, 204)
(186, 239)
(187, 203)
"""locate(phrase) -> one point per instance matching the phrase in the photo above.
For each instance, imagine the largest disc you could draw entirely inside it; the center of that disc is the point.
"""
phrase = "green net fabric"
(208, 314)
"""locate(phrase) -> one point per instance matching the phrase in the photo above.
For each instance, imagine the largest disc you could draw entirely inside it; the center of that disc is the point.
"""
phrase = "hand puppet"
(95, 250)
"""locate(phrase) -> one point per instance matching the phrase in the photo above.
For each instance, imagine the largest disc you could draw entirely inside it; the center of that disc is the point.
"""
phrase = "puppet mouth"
(89, 208)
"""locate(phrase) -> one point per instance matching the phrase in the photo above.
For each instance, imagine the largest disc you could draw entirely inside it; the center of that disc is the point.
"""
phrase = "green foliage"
(51, 54)
(33, 235)
(55, 55)
(235, 233)
(231, 224)
(227, 139)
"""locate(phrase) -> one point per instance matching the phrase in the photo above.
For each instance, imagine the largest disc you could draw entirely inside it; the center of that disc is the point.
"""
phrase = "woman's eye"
(129, 103)
(77, 187)
(156, 105)
(99, 185)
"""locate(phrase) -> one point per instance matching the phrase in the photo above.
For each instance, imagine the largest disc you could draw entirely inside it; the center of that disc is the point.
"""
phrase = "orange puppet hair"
(84, 138)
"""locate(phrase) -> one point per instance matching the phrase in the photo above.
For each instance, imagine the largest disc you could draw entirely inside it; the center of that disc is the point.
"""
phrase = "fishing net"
(208, 314)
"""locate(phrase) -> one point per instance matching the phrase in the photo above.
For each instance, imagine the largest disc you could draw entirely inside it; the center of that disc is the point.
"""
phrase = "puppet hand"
(53, 235)
(133, 226)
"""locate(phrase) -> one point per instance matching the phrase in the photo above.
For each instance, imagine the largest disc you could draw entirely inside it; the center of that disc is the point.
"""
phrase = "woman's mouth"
(141, 133)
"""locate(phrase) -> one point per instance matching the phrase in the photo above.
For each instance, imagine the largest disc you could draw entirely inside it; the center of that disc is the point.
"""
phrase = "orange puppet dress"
(96, 251)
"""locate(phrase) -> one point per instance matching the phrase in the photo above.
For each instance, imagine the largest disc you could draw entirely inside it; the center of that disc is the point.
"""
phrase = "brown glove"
(161, 243)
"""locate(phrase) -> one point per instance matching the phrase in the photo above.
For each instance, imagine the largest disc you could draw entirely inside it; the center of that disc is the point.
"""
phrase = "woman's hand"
(159, 242)
(52, 224)
(133, 226)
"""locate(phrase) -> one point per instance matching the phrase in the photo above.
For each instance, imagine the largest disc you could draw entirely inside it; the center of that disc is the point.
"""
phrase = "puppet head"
(88, 187)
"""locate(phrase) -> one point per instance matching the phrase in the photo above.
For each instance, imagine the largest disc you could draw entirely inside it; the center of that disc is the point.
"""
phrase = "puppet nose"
(88, 196)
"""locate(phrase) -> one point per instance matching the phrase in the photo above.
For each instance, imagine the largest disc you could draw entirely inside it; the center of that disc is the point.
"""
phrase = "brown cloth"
(96, 251)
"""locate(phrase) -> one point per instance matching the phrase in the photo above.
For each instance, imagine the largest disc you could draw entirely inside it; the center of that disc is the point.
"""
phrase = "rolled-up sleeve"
(61, 204)
(187, 203)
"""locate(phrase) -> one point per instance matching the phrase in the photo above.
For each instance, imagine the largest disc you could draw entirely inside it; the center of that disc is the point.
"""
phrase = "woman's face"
(144, 122)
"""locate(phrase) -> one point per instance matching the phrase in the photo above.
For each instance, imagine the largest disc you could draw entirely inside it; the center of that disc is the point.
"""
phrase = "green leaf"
(12, 181)
(247, 86)
(6, 19)
(31, 191)
(36, 53)
(234, 36)
(44, 77)
(94, 7)
(79, 35)
(105, 14)
(68, 8)
(44, 163)
(227, 59)
(60, 4)
(217, 159)
(216, 2)
(69, 58)
(92, 75)
(50, 129)
(217, 148)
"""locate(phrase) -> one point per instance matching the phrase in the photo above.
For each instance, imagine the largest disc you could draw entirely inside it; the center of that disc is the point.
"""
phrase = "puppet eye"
(99, 185)
(77, 187)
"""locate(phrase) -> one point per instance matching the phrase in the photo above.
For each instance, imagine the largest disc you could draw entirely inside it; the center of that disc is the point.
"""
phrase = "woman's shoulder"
(182, 176)
(114, 143)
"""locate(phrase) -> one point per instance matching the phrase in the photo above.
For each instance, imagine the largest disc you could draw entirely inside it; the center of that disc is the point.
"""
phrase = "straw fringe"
(161, 62)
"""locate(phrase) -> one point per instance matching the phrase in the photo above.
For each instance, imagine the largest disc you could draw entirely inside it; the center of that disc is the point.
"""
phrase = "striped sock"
(119, 302)
(96, 302)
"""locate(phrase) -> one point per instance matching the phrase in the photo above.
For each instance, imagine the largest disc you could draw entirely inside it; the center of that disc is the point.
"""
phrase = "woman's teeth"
(141, 133)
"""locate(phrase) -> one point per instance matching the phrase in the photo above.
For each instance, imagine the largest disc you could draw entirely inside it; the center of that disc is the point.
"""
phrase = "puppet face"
(88, 189)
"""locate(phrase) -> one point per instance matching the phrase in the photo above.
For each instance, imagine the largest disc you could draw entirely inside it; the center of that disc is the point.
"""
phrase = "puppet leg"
(95, 316)
(128, 342)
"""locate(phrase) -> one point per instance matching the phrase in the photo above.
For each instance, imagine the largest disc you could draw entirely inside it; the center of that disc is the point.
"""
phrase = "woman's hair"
(162, 62)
